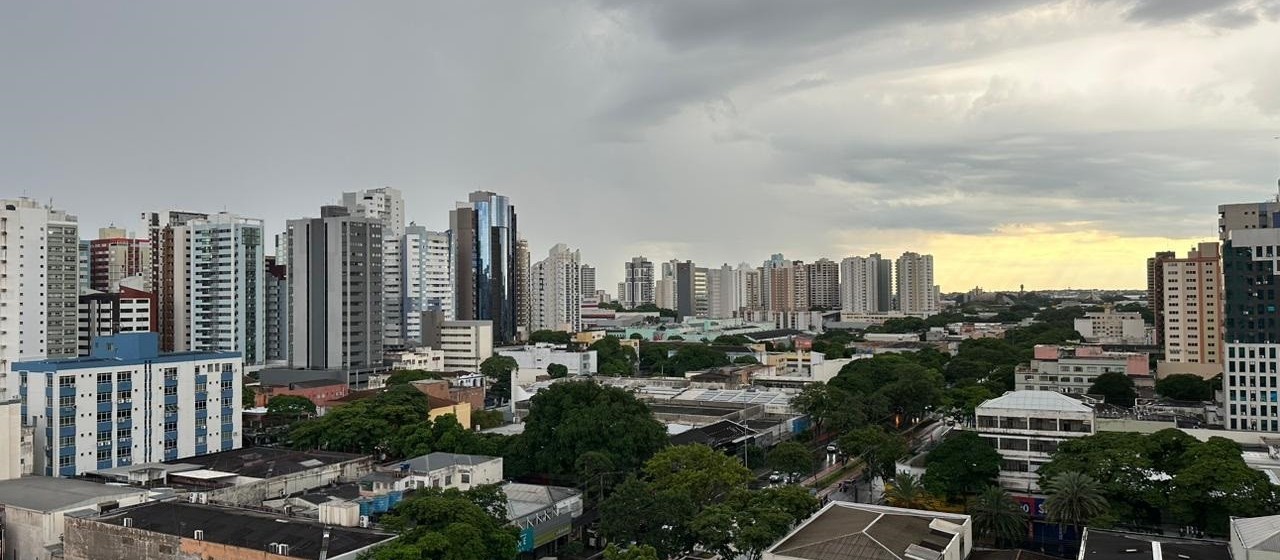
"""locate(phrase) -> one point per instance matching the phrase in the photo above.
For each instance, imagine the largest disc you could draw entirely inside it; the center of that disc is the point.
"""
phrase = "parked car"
(775, 477)
(833, 449)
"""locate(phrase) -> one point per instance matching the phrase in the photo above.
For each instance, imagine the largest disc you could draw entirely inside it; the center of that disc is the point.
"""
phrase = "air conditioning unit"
(199, 534)
(364, 521)
(128, 522)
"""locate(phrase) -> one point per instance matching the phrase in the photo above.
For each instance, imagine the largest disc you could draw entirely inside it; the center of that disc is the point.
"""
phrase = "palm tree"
(906, 491)
(997, 517)
(1074, 499)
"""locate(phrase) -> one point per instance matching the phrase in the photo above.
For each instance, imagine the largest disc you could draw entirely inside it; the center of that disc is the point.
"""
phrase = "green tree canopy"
(499, 369)
(291, 406)
(1074, 499)
(1116, 388)
(612, 358)
(790, 457)
(405, 377)
(557, 371)
(549, 336)
(450, 525)
(880, 450)
(248, 397)
(1185, 387)
(746, 360)
(570, 418)
(962, 464)
(997, 517)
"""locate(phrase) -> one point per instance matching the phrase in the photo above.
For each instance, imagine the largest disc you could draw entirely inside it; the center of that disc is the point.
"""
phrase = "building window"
(104, 379)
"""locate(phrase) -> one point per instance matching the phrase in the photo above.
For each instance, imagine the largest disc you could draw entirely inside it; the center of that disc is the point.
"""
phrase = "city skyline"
(1039, 143)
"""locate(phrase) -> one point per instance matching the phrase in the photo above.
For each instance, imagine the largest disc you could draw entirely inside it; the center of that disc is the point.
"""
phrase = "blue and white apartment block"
(128, 404)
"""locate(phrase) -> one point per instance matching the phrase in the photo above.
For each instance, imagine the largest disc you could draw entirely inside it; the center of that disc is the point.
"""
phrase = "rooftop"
(308, 384)
(243, 528)
(760, 336)
(119, 350)
(527, 499)
(1115, 545)
(438, 460)
(714, 435)
(848, 531)
(265, 462)
(48, 494)
(1035, 400)
(1257, 533)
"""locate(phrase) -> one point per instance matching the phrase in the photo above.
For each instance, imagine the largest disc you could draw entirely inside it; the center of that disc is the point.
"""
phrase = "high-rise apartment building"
(1155, 291)
(83, 266)
(860, 287)
(226, 287)
(438, 291)
(824, 284)
(588, 276)
(777, 285)
(485, 263)
(415, 265)
(664, 289)
(169, 268)
(335, 292)
(466, 344)
(523, 300)
(915, 288)
(1248, 215)
(387, 206)
(276, 288)
(129, 404)
(127, 310)
(39, 290)
(1192, 306)
(114, 256)
(1251, 333)
(692, 293)
(555, 291)
(637, 285)
(749, 287)
(725, 292)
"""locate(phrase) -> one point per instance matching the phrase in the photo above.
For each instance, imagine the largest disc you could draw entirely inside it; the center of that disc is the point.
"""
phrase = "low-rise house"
(34, 511)
(318, 391)
(434, 470)
(849, 531)
(181, 531)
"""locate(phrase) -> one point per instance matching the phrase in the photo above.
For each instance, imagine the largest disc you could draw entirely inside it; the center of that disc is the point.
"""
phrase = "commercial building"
(169, 268)
(39, 287)
(114, 256)
(127, 403)
(824, 284)
(318, 391)
(850, 531)
(534, 359)
(1192, 310)
(487, 278)
(437, 470)
(866, 284)
(1073, 369)
(544, 514)
(637, 286)
(421, 358)
(386, 206)
(465, 343)
(1101, 544)
(226, 287)
(1113, 327)
(39, 512)
(179, 531)
(693, 298)
(104, 314)
(1250, 332)
(916, 290)
(555, 291)
(1026, 428)
(335, 291)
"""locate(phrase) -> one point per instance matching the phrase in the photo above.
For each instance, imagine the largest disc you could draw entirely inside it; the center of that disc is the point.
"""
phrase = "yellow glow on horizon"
(1040, 256)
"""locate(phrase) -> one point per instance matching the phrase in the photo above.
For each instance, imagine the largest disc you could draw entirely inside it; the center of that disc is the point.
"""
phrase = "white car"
(833, 449)
(775, 477)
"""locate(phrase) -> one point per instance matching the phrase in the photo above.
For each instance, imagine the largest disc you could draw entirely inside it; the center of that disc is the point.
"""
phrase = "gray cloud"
(717, 131)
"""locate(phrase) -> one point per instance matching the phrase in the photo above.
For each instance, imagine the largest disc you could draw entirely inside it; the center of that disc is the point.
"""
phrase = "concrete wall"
(254, 493)
(90, 540)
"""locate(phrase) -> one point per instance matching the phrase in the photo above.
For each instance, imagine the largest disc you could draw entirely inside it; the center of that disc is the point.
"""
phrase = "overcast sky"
(1048, 143)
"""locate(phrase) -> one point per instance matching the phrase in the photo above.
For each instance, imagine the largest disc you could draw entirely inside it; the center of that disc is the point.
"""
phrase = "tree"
(694, 357)
(550, 337)
(997, 517)
(570, 418)
(291, 406)
(906, 491)
(697, 471)
(1216, 485)
(557, 371)
(790, 457)
(639, 552)
(499, 369)
(636, 336)
(1073, 499)
(879, 449)
(746, 359)
(408, 376)
(732, 340)
(612, 358)
(1185, 387)
(248, 397)
(963, 464)
(1116, 388)
(485, 419)
(450, 525)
